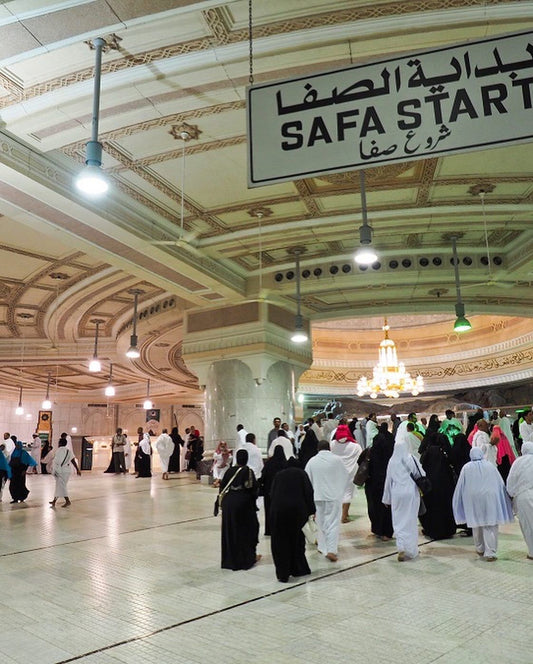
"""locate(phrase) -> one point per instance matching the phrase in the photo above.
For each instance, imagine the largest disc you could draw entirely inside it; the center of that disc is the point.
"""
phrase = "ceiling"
(183, 65)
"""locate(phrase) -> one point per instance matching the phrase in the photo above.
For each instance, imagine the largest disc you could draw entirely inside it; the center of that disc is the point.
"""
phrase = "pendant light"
(365, 255)
(92, 181)
(299, 335)
(19, 410)
(95, 365)
(133, 351)
(147, 405)
(110, 388)
(461, 323)
(47, 404)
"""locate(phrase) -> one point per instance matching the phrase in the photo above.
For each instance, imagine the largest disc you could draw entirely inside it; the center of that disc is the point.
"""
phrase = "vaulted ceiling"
(177, 66)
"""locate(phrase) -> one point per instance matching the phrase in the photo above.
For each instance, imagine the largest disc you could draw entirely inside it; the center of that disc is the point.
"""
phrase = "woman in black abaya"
(291, 505)
(438, 521)
(379, 514)
(174, 461)
(309, 447)
(240, 527)
(271, 468)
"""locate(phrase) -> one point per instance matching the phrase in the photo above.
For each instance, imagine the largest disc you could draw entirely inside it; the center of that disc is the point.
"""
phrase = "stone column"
(248, 366)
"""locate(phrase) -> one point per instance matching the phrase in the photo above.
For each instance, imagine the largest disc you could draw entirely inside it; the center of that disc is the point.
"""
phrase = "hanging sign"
(447, 100)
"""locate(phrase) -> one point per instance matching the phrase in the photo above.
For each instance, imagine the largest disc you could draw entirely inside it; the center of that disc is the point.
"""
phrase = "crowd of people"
(434, 475)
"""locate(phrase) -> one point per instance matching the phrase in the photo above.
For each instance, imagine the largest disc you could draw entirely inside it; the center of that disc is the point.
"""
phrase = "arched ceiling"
(178, 64)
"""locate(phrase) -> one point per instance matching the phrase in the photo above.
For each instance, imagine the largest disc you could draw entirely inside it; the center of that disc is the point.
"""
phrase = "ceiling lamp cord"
(365, 255)
(250, 43)
(461, 323)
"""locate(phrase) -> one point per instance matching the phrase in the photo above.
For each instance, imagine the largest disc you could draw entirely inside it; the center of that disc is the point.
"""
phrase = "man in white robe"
(328, 477)
(488, 445)
(36, 451)
(284, 442)
(164, 446)
(481, 501)
(525, 428)
(520, 488)
(329, 426)
(255, 458)
(402, 494)
(349, 453)
(241, 435)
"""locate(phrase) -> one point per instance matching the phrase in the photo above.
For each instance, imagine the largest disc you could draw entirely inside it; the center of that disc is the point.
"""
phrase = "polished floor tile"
(131, 573)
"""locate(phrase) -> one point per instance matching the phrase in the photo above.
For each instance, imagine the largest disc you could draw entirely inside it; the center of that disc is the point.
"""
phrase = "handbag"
(363, 469)
(422, 507)
(422, 482)
(310, 530)
(218, 502)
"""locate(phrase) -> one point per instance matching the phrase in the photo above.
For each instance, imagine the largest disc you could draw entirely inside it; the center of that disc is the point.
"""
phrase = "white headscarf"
(402, 464)
(521, 474)
(480, 498)
(145, 444)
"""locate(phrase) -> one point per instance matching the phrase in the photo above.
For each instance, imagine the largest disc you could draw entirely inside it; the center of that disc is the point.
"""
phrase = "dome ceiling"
(175, 66)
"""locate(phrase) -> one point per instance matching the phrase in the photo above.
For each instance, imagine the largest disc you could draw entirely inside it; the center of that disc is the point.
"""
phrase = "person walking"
(19, 461)
(118, 443)
(520, 488)
(403, 496)
(61, 470)
(164, 447)
(291, 504)
(328, 477)
(481, 501)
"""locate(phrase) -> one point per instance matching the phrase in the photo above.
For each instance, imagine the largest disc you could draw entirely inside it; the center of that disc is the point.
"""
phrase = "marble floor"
(131, 573)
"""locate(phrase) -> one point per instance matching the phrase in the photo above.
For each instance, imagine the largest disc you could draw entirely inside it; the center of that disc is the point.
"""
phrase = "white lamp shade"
(94, 365)
(133, 352)
(19, 410)
(46, 405)
(92, 181)
(299, 337)
(147, 405)
(110, 391)
(365, 255)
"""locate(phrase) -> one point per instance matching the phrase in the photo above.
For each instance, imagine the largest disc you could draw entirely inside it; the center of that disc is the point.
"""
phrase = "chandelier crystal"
(389, 376)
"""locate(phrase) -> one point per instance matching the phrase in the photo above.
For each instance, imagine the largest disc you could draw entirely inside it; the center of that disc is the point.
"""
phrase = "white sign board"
(447, 100)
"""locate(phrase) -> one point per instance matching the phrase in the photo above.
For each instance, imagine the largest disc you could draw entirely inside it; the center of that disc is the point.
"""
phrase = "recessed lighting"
(25, 315)
(58, 276)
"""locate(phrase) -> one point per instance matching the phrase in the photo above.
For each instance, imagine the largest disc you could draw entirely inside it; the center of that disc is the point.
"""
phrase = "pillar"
(248, 367)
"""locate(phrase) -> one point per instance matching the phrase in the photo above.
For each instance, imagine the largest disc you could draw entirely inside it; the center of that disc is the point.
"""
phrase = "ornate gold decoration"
(260, 212)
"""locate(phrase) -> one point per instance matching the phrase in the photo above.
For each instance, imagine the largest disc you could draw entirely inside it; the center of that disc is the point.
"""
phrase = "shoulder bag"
(363, 468)
(220, 497)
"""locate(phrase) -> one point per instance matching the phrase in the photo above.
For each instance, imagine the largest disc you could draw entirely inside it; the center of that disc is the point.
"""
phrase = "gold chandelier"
(389, 376)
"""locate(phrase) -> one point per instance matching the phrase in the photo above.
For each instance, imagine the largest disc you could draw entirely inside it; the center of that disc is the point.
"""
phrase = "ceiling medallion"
(112, 43)
(162, 344)
(389, 376)
(185, 132)
(481, 188)
(25, 315)
(260, 212)
(58, 276)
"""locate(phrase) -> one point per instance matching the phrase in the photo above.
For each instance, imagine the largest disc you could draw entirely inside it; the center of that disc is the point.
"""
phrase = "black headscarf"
(241, 457)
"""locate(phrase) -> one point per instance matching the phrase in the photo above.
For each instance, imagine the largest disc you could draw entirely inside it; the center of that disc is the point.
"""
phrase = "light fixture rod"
(48, 386)
(456, 269)
(363, 197)
(99, 44)
(20, 396)
(97, 323)
(298, 297)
